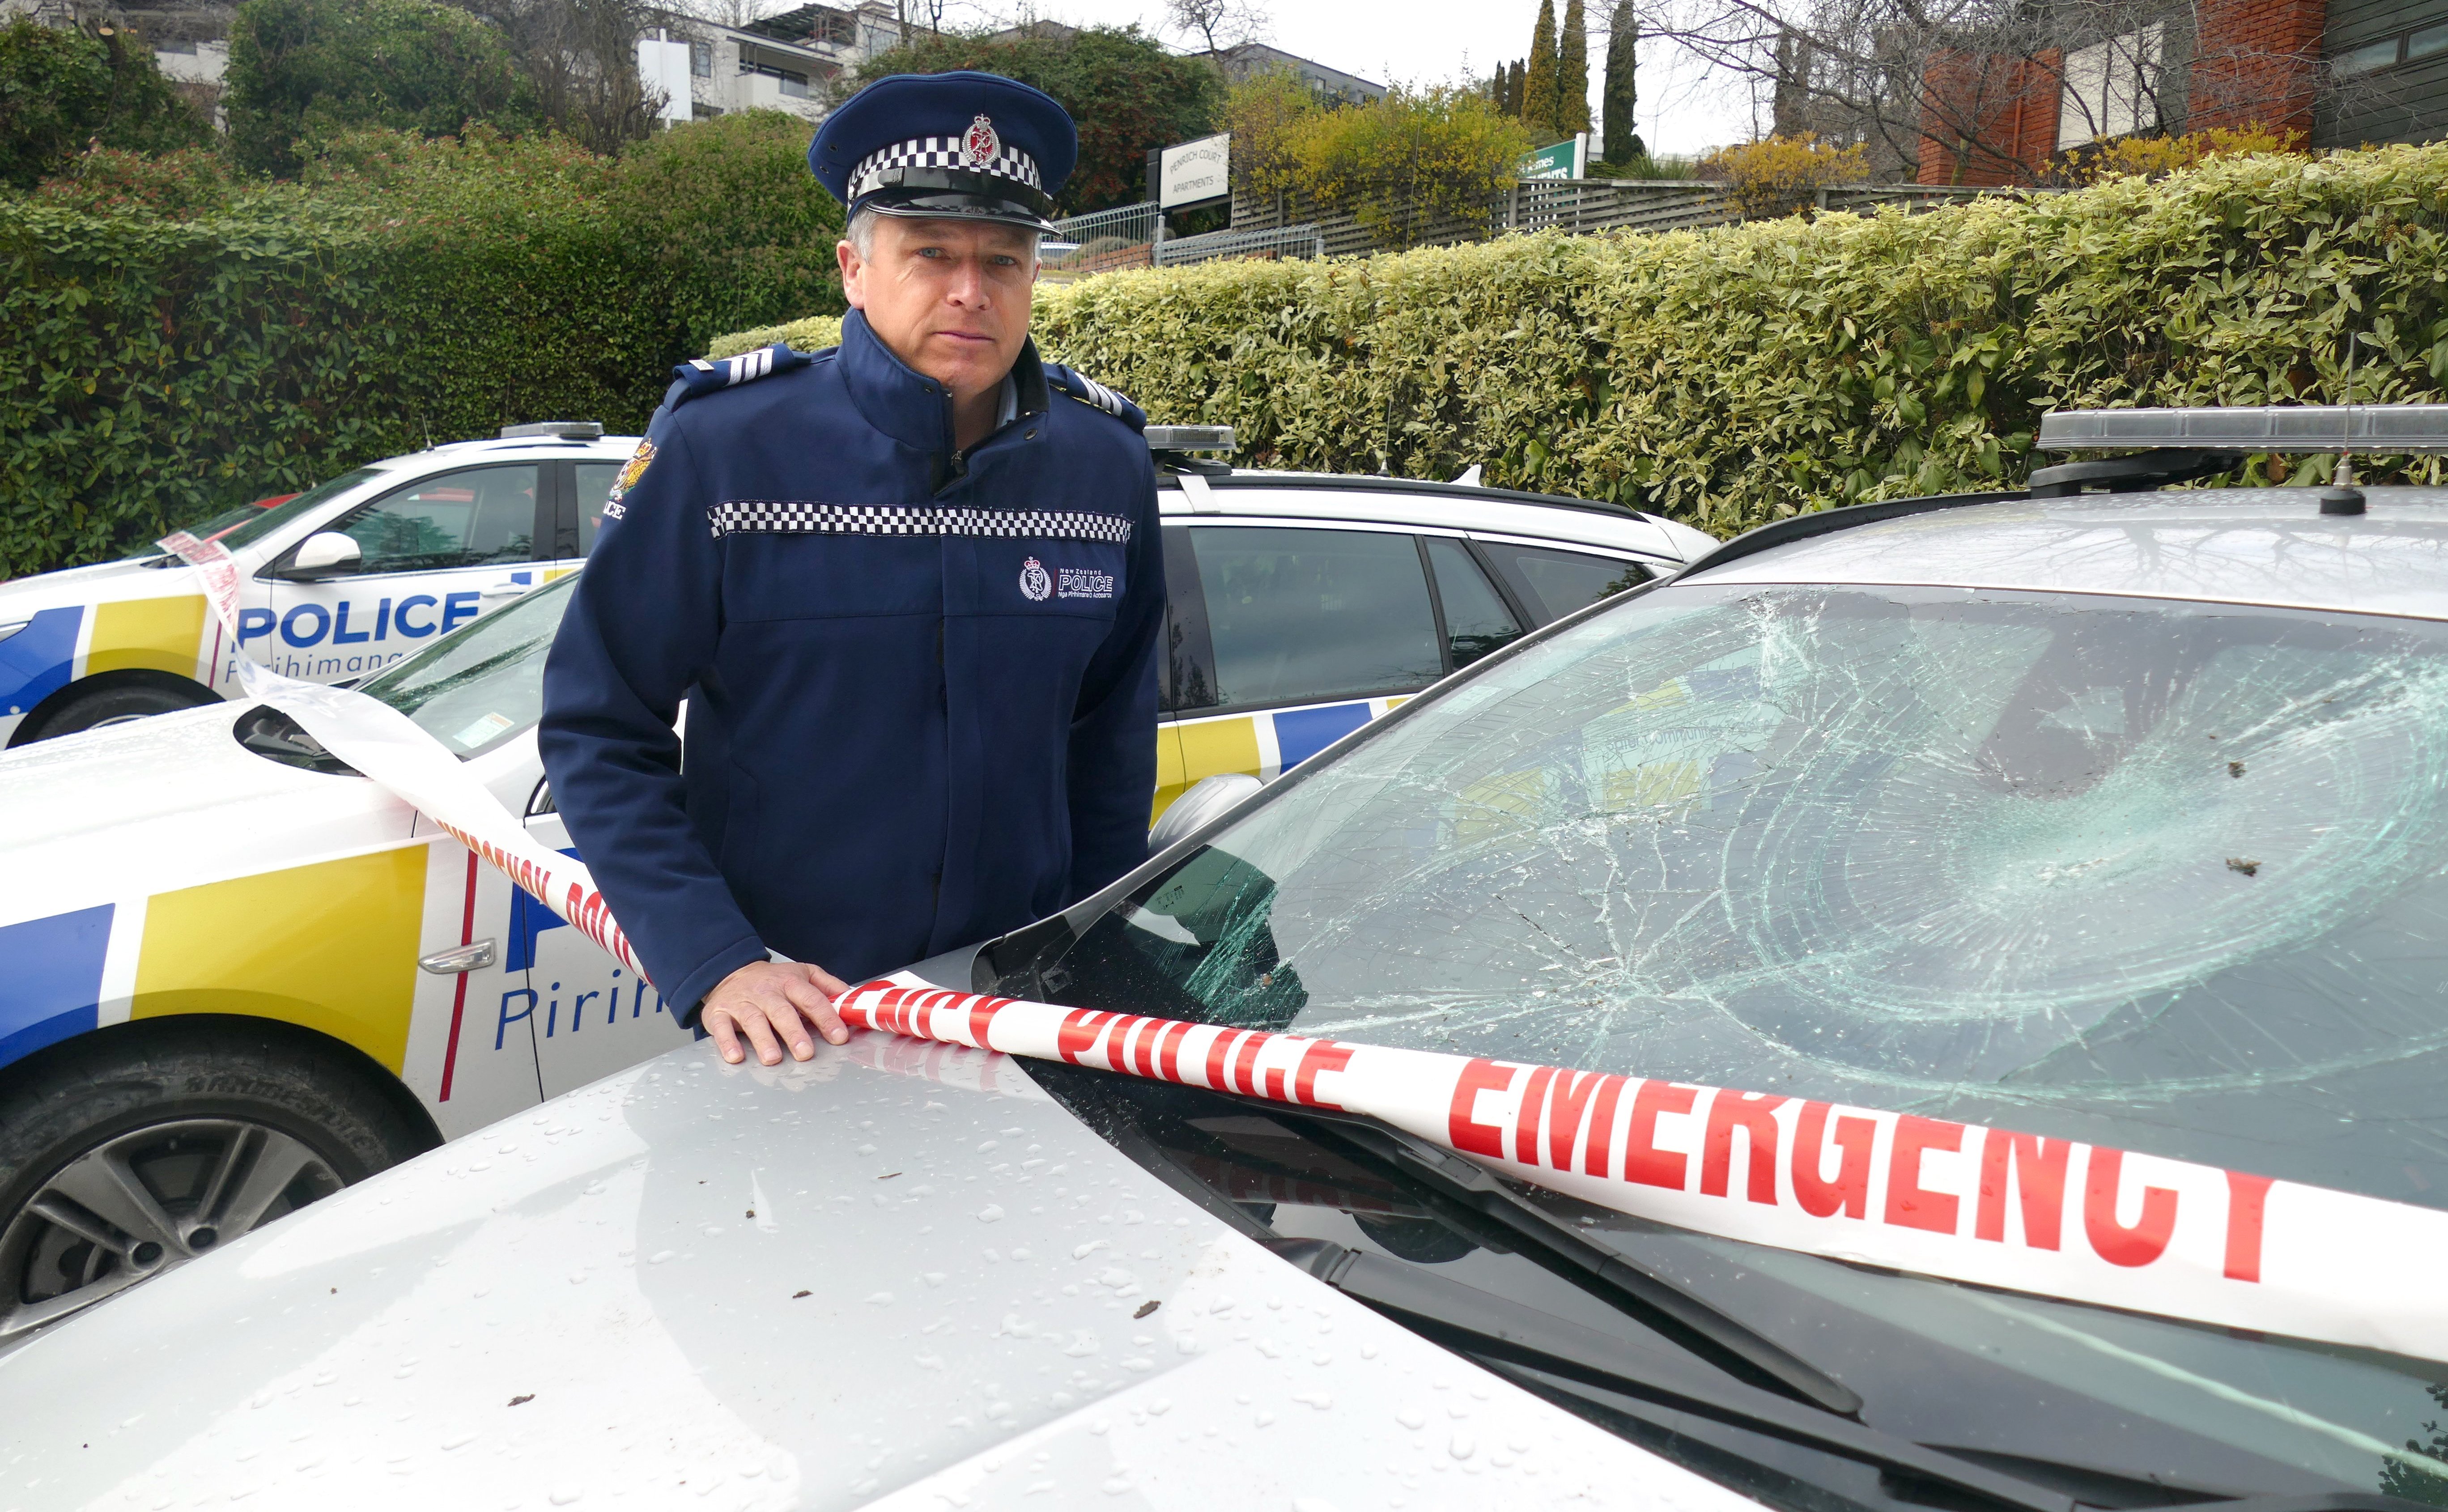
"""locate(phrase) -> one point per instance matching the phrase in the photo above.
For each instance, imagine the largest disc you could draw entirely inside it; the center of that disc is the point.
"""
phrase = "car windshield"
(484, 683)
(2155, 874)
(248, 523)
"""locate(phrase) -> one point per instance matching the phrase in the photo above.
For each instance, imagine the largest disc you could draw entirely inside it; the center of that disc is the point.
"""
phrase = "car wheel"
(123, 704)
(126, 1158)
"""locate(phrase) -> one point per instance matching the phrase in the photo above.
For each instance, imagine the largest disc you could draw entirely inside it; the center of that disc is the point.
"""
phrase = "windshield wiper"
(1500, 1330)
(1520, 1342)
(1665, 1304)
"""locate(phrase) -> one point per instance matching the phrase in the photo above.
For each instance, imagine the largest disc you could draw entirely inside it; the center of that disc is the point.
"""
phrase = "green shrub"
(156, 368)
(304, 71)
(813, 333)
(1736, 375)
(63, 88)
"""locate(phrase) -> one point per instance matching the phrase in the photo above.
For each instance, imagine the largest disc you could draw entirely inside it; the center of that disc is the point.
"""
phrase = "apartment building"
(783, 62)
(2342, 73)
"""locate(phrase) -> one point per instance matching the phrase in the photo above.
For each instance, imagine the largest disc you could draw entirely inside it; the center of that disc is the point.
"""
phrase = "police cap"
(954, 146)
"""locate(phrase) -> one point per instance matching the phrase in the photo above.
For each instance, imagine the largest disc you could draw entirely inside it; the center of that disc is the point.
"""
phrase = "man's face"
(950, 298)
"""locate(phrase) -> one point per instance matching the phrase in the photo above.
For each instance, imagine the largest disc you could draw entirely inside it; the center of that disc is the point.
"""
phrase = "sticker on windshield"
(484, 730)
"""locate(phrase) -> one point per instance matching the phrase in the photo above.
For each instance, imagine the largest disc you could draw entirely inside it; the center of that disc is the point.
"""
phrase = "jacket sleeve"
(1112, 768)
(644, 619)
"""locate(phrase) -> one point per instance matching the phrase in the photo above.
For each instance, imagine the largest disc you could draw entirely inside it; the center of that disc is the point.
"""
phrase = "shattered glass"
(2160, 875)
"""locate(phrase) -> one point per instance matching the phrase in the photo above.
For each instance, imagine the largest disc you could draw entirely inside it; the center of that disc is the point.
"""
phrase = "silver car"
(2116, 818)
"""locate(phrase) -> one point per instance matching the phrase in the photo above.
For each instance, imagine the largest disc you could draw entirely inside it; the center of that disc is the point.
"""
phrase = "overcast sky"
(1681, 109)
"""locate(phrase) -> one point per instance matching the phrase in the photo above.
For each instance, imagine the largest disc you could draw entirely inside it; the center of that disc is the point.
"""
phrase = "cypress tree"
(1539, 83)
(1616, 93)
(1573, 72)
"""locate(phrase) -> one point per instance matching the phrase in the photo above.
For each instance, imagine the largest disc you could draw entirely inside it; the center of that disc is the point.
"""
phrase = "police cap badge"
(955, 146)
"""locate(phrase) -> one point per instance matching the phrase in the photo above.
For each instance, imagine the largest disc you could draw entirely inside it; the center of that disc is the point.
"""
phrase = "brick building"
(2341, 71)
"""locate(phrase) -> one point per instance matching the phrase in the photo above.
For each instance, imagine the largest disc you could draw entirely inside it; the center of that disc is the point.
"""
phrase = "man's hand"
(771, 1003)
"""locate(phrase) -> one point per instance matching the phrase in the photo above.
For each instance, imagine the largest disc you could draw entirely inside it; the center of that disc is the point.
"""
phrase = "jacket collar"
(907, 404)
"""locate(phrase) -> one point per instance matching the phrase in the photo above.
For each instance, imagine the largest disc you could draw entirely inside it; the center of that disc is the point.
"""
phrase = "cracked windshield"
(2155, 874)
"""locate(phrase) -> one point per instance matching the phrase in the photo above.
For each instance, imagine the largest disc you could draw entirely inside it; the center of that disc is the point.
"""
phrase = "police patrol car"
(341, 580)
(243, 977)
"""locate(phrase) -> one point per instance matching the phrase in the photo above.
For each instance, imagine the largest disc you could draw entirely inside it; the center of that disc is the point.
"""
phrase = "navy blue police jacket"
(920, 684)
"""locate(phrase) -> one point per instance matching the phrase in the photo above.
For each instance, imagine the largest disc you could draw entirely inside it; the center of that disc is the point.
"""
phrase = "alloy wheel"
(143, 1202)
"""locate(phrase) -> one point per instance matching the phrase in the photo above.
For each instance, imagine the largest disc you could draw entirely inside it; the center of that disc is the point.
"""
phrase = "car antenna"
(2341, 496)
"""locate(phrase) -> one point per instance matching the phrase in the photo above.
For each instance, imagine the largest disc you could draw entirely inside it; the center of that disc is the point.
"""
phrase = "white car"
(2113, 819)
(340, 581)
(268, 916)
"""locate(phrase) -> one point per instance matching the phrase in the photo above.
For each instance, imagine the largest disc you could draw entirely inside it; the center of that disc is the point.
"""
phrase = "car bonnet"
(899, 1274)
(168, 802)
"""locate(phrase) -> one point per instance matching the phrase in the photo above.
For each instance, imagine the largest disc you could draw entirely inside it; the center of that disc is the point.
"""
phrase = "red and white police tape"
(2022, 1212)
(2017, 1210)
(385, 745)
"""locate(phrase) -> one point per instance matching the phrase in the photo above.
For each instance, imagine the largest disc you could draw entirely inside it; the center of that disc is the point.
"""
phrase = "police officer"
(909, 588)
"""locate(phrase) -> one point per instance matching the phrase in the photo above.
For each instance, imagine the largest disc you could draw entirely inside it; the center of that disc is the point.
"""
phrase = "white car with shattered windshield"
(2114, 817)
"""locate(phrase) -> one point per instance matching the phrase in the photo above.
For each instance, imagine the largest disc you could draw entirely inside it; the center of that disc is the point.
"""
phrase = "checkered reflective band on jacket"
(788, 517)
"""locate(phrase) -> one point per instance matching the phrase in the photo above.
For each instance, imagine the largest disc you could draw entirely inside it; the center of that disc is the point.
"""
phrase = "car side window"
(463, 519)
(594, 486)
(1556, 583)
(1299, 616)
(1477, 620)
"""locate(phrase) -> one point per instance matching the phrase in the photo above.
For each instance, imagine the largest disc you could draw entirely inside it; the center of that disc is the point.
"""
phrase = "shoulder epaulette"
(701, 377)
(1089, 392)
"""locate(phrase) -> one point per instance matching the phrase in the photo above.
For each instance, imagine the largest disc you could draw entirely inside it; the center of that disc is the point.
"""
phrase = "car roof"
(512, 449)
(1423, 502)
(2236, 545)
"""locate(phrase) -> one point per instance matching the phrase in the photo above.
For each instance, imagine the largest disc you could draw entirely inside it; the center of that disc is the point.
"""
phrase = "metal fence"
(1290, 226)
(1263, 241)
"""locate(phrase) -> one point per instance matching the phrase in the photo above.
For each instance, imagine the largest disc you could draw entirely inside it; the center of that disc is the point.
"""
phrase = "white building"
(784, 62)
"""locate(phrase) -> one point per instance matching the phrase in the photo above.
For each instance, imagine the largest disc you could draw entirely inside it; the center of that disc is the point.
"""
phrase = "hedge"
(1735, 375)
(157, 368)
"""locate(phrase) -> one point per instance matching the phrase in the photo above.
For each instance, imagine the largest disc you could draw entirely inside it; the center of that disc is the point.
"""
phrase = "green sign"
(1563, 160)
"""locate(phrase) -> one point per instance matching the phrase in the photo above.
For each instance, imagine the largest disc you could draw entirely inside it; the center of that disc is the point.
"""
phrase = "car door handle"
(458, 958)
(506, 588)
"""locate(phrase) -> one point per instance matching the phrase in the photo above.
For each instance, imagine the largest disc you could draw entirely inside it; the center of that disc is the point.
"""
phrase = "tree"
(303, 71)
(1267, 113)
(580, 61)
(1615, 95)
(1223, 25)
(64, 90)
(1538, 94)
(1126, 90)
(1573, 72)
(1408, 158)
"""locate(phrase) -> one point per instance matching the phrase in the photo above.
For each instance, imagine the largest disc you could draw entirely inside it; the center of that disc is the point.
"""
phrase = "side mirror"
(1207, 799)
(321, 552)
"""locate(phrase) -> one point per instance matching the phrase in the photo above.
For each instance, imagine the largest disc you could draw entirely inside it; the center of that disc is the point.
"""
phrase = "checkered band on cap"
(805, 517)
(942, 152)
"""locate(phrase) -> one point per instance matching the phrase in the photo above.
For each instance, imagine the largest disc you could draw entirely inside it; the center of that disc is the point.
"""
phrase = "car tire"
(119, 704)
(126, 1157)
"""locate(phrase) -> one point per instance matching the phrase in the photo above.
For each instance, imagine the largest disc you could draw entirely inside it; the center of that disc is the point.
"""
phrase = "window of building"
(702, 59)
(2111, 88)
(2425, 41)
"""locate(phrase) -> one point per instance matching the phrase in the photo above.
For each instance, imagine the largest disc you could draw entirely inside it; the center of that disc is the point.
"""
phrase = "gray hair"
(861, 233)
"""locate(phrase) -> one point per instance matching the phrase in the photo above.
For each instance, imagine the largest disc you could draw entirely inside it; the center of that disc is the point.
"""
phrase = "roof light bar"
(564, 429)
(1198, 438)
(2385, 430)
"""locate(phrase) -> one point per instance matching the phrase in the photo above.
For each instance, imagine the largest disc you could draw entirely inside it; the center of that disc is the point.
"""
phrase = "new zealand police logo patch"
(979, 145)
(636, 469)
(1036, 584)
